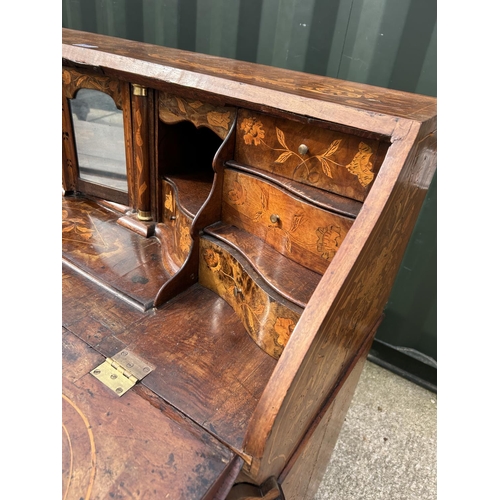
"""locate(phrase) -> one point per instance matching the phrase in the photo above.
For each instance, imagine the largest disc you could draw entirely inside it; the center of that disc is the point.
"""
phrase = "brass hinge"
(122, 371)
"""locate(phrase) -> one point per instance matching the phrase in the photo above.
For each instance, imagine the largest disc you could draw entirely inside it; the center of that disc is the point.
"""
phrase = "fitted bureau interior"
(230, 236)
(185, 155)
(248, 211)
(290, 195)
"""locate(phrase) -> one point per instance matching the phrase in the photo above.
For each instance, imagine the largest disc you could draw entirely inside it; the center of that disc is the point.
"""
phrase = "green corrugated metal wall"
(390, 43)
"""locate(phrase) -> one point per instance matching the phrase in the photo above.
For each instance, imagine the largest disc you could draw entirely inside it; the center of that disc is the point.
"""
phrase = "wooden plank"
(150, 61)
(304, 472)
(127, 448)
(123, 260)
(206, 364)
(291, 280)
(349, 298)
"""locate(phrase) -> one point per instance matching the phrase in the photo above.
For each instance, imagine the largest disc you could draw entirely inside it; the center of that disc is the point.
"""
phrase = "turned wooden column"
(141, 152)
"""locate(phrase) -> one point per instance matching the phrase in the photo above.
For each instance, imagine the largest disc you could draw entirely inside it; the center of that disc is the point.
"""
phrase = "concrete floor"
(387, 446)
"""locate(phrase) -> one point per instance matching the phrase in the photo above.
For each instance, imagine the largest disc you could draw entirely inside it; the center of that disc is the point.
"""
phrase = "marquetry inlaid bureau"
(231, 233)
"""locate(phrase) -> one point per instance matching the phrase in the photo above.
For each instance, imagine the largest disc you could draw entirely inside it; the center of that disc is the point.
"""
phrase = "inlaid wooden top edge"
(206, 72)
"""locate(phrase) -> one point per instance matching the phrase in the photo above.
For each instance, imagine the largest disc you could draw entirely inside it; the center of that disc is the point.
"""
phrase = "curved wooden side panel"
(209, 213)
(346, 304)
(268, 321)
(174, 231)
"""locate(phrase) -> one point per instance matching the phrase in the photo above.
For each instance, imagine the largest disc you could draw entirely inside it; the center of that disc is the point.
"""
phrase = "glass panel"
(100, 141)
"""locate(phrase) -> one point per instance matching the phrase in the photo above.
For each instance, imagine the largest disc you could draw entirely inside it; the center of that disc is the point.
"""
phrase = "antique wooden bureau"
(230, 236)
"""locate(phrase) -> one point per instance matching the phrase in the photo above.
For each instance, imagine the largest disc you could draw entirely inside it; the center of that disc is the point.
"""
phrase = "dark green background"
(389, 43)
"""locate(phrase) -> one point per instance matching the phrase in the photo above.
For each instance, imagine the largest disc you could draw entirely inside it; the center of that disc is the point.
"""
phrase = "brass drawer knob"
(303, 149)
(274, 218)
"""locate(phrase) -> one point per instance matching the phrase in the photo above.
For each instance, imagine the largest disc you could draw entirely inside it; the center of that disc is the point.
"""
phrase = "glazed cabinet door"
(97, 137)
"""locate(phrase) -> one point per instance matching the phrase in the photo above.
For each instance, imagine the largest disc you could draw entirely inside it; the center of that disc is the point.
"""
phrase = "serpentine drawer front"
(300, 231)
(337, 162)
(268, 318)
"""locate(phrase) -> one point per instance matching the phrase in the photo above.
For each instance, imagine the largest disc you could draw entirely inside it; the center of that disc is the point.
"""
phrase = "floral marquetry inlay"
(80, 229)
(73, 81)
(173, 109)
(307, 234)
(180, 224)
(329, 239)
(267, 321)
(360, 166)
(331, 160)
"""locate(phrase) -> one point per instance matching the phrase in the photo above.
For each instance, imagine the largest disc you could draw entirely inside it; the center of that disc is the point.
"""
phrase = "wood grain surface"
(333, 161)
(124, 261)
(303, 233)
(350, 298)
(173, 109)
(268, 320)
(126, 447)
(247, 82)
(292, 281)
(206, 363)
(259, 284)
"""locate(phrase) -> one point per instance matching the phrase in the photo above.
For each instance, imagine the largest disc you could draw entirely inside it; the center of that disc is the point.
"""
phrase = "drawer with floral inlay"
(268, 318)
(335, 161)
(300, 231)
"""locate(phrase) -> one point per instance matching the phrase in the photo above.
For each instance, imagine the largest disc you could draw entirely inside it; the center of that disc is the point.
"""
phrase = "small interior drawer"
(300, 231)
(341, 163)
(266, 318)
